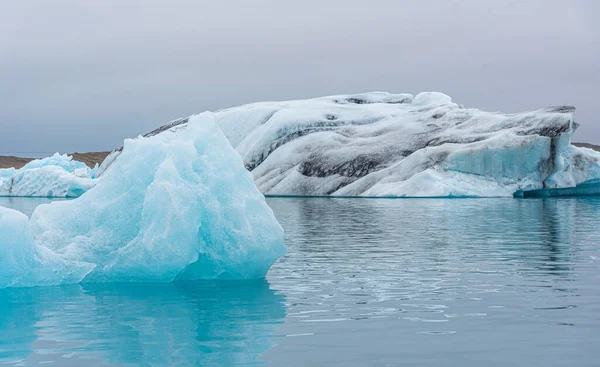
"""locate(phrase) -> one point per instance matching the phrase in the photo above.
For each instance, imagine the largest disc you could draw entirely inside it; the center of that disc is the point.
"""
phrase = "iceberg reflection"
(216, 323)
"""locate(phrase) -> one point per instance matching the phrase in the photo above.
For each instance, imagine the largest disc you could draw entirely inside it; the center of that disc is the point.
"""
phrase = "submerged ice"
(381, 144)
(179, 205)
(56, 176)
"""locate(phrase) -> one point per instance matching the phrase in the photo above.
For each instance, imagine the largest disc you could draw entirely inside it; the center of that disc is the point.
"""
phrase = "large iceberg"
(176, 206)
(56, 176)
(400, 145)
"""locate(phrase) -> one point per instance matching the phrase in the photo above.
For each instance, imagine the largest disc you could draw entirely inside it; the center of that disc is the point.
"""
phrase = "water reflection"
(189, 323)
(366, 283)
(532, 234)
(438, 282)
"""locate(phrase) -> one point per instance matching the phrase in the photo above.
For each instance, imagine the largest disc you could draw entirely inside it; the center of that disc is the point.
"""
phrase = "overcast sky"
(82, 75)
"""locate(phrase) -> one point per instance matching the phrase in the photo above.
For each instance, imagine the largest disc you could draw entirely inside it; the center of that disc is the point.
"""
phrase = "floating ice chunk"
(179, 205)
(64, 161)
(588, 188)
(46, 181)
(381, 144)
(56, 176)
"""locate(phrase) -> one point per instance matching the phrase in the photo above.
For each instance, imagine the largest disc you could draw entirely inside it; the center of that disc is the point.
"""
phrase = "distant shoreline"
(588, 145)
(90, 159)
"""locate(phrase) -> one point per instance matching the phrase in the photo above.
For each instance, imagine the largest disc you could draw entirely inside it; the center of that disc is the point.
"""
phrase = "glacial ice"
(25, 264)
(60, 160)
(587, 188)
(175, 206)
(400, 145)
(56, 176)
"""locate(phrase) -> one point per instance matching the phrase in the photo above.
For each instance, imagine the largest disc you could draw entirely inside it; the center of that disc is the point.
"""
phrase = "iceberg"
(587, 188)
(399, 145)
(56, 176)
(64, 161)
(175, 206)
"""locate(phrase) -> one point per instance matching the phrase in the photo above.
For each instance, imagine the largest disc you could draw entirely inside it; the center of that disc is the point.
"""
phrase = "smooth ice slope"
(179, 205)
(56, 176)
(380, 144)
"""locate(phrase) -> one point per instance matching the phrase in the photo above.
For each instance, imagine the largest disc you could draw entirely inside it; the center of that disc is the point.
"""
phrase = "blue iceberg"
(176, 206)
(56, 176)
(63, 161)
(587, 188)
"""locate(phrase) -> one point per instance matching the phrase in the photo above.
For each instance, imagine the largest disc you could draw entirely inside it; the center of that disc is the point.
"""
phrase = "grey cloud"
(81, 76)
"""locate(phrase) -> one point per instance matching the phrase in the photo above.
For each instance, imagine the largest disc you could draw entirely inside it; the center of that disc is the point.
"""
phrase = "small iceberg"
(56, 176)
(588, 188)
(175, 206)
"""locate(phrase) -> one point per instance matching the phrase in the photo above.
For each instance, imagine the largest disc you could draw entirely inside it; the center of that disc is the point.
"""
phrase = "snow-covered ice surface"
(400, 145)
(179, 205)
(56, 176)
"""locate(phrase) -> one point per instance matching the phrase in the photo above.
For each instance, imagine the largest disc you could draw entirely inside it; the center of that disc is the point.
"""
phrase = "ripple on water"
(362, 278)
(386, 269)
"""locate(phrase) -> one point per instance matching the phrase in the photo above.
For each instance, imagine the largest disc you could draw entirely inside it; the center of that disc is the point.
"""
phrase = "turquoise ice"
(55, 176)
(179, 205)
(64, 161)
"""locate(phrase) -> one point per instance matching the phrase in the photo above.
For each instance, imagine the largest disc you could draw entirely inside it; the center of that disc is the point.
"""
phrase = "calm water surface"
(367, 282)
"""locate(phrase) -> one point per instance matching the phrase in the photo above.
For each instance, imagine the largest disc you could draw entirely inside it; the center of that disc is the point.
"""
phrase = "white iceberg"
(400, 145)
(179, 205)
(56, 176)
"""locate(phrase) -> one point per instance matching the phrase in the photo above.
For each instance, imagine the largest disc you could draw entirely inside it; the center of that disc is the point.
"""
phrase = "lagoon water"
(366, 282)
